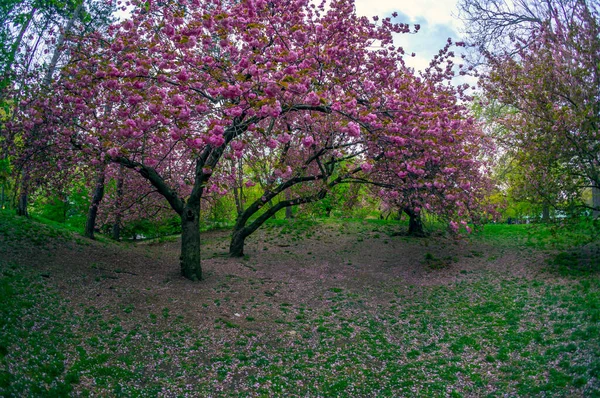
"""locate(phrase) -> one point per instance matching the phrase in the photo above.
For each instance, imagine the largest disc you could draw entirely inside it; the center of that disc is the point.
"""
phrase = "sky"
(437, 19)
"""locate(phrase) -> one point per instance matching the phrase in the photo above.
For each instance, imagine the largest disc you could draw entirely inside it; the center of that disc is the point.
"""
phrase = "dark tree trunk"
(545, 213)
(23, 197)
(116, 229)
(22, 205)
(238, 203)
(241, 231)
(415, 223)
(190, 244)
(288, 209)
(236, 246)
(90, 223)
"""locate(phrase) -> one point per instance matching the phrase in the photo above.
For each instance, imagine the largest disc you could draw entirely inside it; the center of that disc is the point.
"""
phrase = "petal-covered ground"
(325, 308)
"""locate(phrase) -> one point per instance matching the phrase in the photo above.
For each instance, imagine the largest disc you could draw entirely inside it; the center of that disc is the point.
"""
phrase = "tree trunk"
(23, 197)
(415, 224)
(238, 202)
(90, 223)
(545, 213)
(190, 244)
(17, 44)
(116, 229)
(241, 230)
(288, 209)
(61, 39)
(22, 205)
(236, 246)
(596, 202)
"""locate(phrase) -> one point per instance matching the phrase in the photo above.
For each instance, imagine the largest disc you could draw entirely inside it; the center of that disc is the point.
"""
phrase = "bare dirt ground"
(279, 267)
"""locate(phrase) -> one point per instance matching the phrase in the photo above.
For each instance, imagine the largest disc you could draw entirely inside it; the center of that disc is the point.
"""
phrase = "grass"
(508, 337)
(541, 236)
(494, 335)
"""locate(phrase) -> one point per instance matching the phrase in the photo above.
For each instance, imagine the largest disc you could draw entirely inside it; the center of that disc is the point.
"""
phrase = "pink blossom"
(169, 30)
(353, 129)
(182, 76)
(313, 99)
(231, 91)
(284, 138)
(237, 145)
(196, 143)
(178, 100)
(175, 134)
(113, 152)
(234, 112)
(272, 143)
(216, 140)
(201, 108)
(366, 167)
(308, 141)
(135, 99)
(217, 130)
(454, 226)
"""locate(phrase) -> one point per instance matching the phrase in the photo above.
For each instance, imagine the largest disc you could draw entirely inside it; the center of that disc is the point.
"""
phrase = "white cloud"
(434, 11)
(438, 23)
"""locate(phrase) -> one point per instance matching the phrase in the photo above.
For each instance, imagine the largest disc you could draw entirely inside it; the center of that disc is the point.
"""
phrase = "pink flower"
(216, 140)
(366, 167)
(237, 145)
(178, 100)
(234, 112)
(201, 108)
(454, 226)
(231, 91)
(288, 172)
(155, 109)
(272, 143)
(113, 152)
(217, 130)
(308, 141)
(313, 99)
(272, 89)
(284, 138)
(182, 76)
(175, 134)
(134, 99)
(169, 30)
(353, 129)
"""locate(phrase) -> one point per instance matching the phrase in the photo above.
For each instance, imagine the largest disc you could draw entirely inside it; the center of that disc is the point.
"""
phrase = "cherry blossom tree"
(177, 84)
(419, 142)
(34, 41)
(179, 88)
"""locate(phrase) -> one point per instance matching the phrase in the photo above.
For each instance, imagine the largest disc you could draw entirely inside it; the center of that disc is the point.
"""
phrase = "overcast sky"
(437, 19)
